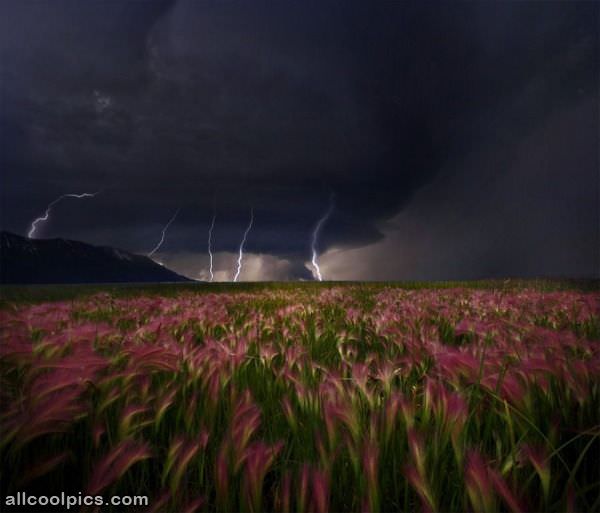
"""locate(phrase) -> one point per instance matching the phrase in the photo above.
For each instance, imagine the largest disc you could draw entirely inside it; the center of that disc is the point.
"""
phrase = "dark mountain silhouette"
(26, 261)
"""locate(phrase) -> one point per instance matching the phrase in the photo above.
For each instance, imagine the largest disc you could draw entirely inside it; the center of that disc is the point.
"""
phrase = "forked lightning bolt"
(315, 236)
(162, 236)
(46, 215)
(241, 253)
(210, 254)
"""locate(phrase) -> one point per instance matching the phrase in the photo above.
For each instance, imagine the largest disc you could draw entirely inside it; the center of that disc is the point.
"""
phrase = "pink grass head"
(479, 484)
(116, 463)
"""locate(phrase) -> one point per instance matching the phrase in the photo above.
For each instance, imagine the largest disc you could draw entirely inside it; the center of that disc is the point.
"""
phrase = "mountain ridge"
(58, 260)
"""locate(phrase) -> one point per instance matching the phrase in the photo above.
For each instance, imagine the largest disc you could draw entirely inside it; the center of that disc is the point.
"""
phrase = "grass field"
(479, 396)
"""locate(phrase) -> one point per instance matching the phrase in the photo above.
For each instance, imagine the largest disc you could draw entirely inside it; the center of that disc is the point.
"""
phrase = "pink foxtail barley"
(187, 397)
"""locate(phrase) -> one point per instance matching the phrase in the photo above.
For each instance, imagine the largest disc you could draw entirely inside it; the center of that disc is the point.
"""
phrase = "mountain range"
(30, 261)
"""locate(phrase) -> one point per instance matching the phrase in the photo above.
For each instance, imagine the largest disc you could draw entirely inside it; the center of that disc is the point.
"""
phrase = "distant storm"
(460, 139)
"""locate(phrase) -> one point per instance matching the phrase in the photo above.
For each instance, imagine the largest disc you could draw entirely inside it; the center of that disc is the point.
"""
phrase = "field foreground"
(346, 398)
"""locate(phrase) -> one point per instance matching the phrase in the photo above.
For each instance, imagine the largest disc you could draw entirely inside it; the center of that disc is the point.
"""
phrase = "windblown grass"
(296, 398)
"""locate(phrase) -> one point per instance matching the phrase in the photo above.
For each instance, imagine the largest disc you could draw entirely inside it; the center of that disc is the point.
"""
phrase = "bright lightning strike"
(164, 230)
(241, 254)
(210, 254)
(46, 215)
(315, 236)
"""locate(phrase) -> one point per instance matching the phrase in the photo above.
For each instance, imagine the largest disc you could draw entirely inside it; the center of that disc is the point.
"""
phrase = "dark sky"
(459, 140)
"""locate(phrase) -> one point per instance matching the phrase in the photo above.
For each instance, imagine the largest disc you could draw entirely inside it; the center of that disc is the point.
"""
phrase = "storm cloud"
(459, 140)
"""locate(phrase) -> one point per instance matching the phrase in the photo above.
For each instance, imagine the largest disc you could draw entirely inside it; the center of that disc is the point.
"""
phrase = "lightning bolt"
(210, 254)
(241, 254)
(315, 236)
(46, 215)
(164, 230)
